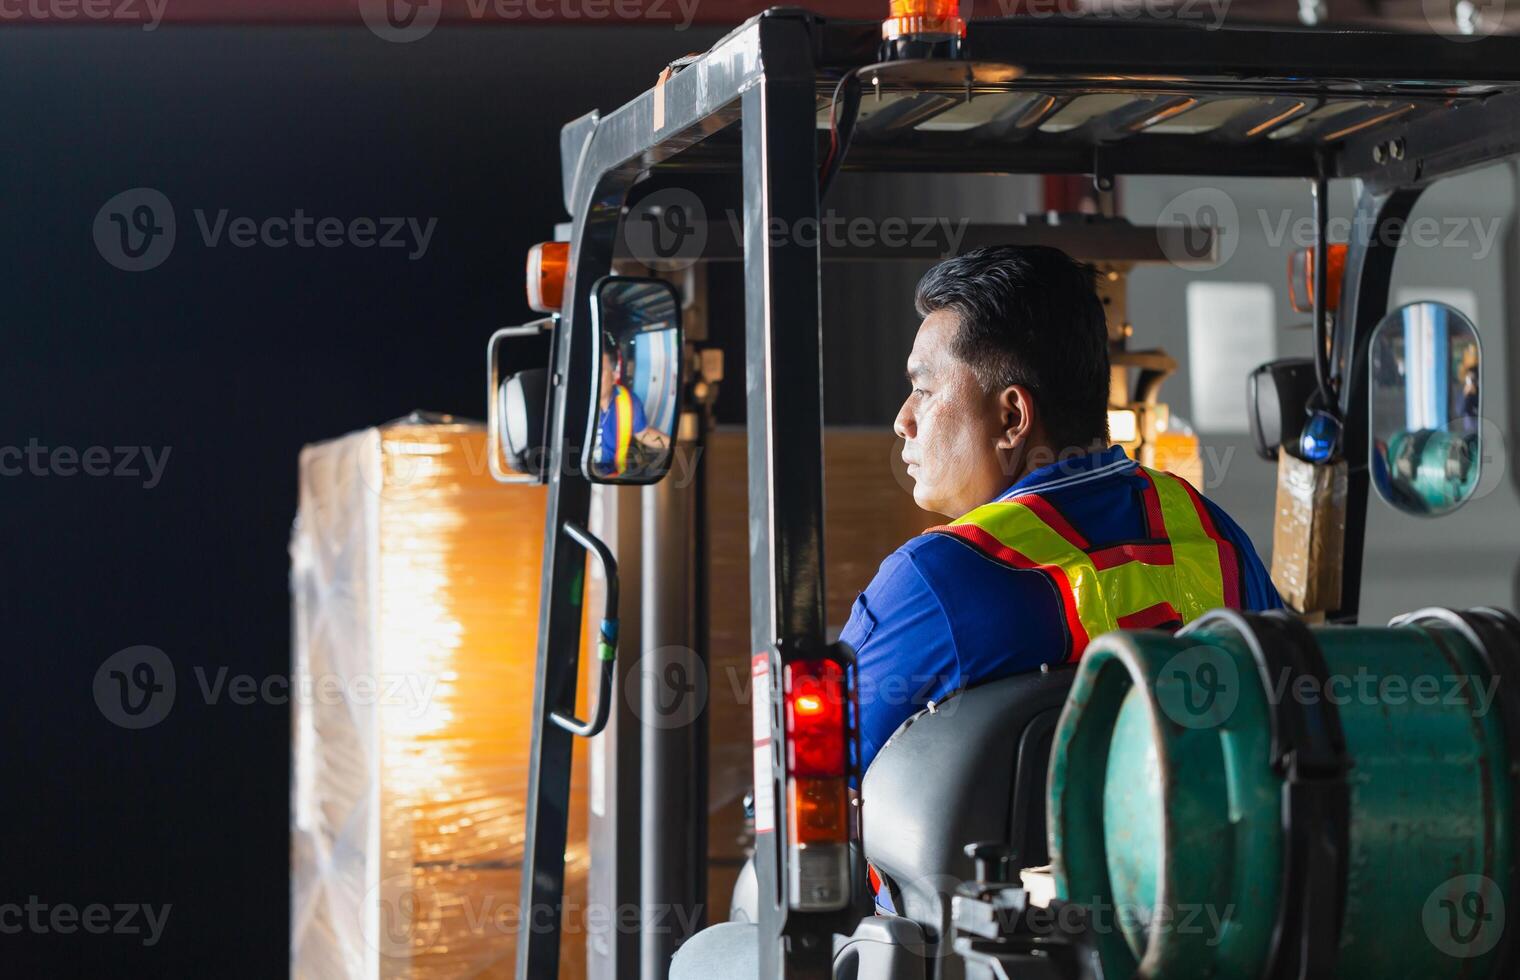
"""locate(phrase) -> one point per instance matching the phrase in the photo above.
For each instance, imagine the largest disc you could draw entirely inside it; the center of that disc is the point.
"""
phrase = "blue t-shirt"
(941, 616)
(607, 434)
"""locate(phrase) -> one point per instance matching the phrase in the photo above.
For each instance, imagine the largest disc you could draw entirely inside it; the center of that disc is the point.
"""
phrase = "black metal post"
(613, 826)
(783, 380)
(672, 692)
(563, 578)
(1376, 231)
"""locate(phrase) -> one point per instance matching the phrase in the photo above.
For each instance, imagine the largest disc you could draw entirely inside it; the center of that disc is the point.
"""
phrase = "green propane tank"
(1251, 798)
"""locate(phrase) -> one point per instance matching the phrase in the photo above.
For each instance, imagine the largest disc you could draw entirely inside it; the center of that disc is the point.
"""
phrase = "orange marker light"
(926, 19)
(548, 264)
(819, 811)
(1301, 278)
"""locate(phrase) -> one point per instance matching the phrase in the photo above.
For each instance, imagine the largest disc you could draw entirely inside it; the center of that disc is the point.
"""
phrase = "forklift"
(615, 387)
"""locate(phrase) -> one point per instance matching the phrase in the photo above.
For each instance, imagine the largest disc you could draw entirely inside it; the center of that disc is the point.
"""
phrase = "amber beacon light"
(926, 20)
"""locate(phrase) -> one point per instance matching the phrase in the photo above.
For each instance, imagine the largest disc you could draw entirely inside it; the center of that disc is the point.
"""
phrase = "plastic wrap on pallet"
(415, 590)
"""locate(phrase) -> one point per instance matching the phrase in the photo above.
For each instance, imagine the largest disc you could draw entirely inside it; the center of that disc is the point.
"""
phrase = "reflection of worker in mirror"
(1469, 408)
(626, 444)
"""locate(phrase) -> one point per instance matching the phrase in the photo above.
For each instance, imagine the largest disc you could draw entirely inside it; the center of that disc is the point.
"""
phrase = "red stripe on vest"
(1119, 554)
(1229, 563)
(1155, 521)
(992, 547)
(1054, 519)
(1162, 614)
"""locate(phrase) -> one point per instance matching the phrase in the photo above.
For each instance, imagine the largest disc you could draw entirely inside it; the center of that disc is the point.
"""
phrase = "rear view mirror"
(517, 401)
(1425, 370)
(1277, 395)
(637, 375)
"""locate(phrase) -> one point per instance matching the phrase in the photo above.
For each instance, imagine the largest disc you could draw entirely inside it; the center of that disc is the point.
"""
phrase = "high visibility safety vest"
(622, 409)
(1183, 568)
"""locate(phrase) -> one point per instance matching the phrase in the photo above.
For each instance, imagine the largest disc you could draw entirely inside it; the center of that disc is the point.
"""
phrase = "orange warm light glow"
(809, 704)
(416, 590)
(548, 265)
(1301, 278)
(925, 18)
(818, 811)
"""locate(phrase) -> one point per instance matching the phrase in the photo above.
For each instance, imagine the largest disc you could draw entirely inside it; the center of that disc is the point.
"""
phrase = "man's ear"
(1017, 412)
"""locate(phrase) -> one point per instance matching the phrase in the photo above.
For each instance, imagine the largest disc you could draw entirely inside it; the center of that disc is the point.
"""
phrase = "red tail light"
(817, 726)
(818, 723)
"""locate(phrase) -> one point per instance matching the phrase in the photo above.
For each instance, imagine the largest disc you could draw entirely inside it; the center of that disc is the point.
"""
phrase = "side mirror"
(517, 401)
(636, 374)
(1425, 368)
(1277, 395)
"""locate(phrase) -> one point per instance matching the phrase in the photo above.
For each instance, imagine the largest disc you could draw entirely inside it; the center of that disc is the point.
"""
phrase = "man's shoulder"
(949, 566)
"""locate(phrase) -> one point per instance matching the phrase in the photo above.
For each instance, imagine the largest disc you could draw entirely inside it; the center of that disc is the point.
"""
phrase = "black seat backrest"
(972, 769)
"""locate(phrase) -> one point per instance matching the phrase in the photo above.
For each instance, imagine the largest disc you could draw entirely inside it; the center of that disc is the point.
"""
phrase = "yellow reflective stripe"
(1192, 584)
(1195, 555)
(1022, 530)
(624, 407)
(1134, 587)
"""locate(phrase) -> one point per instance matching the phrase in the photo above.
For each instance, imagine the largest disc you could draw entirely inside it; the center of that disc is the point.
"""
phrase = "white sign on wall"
(1232, 329)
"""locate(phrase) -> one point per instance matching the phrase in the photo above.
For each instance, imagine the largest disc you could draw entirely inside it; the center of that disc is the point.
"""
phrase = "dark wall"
(223, 361)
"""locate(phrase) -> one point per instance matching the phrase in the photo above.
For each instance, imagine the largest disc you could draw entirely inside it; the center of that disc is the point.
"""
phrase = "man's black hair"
(1029, 316)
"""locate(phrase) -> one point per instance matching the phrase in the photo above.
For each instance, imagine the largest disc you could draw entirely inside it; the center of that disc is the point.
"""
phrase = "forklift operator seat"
(970, 769)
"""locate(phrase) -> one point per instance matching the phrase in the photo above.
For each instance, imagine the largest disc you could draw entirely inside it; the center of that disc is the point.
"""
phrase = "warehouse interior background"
(223, 363)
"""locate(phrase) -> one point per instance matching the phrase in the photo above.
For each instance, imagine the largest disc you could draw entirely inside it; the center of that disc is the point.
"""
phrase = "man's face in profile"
(950, 426)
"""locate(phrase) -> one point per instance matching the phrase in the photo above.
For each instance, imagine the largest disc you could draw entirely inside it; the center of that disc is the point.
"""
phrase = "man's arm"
(904, 650)
(1258, 593)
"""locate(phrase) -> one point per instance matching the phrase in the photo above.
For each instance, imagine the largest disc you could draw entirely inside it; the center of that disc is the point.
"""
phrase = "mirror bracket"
(501, 471)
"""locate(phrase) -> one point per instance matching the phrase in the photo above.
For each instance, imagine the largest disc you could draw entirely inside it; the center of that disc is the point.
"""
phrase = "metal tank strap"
(1308, 750)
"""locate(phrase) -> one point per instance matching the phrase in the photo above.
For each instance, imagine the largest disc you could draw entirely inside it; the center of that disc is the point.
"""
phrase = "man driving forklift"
(1055, 535)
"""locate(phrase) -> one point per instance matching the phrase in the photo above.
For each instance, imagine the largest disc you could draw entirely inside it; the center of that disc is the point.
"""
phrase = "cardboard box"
(1309, 533)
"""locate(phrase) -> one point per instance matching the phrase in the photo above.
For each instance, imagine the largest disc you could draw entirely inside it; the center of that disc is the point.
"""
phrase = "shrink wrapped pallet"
(415, 590)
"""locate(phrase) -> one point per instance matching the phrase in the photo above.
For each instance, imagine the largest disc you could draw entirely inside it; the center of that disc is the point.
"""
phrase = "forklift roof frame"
(772, 74)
